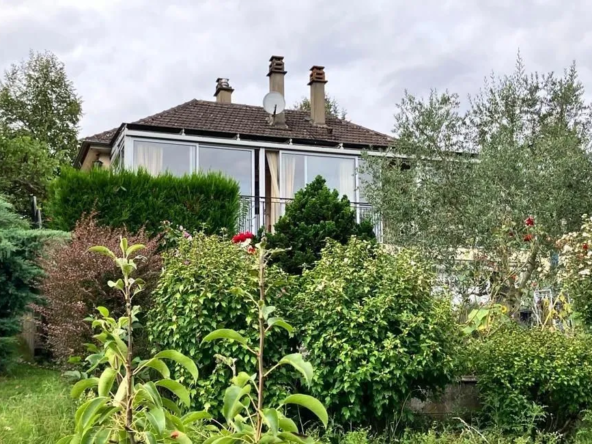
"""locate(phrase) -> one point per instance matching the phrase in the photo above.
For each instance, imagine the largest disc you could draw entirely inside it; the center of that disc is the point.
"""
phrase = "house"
(271, 157)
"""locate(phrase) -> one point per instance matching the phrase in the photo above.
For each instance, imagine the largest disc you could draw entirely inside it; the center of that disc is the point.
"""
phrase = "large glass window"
(298, 170)
(237, 164)
(158, 157)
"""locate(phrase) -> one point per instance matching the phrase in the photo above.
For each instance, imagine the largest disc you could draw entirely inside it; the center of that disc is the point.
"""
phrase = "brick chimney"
(317, 94)
(224, 91)
(276, 76)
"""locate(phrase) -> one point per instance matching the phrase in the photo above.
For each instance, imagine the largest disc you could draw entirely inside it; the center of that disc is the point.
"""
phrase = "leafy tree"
(27, 169)
(19, 247)
(316, 214)
(332, 107)
(38, 100)
(506, 178)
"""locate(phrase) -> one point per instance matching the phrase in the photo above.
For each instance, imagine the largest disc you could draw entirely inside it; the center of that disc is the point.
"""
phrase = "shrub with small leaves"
(203, 287)
(75, 282)
(520, 371)
(374, 330)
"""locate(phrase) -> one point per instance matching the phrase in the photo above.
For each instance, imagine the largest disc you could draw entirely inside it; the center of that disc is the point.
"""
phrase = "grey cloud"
(132, 58)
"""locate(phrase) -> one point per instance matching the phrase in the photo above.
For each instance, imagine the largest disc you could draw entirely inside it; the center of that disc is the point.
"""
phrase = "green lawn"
(35, 407)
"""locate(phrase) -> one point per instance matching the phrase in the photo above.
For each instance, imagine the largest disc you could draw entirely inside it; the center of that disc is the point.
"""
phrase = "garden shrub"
(374, 330)
(524, 373)
(19, 248)
(136, 199)
(76, 282)
(204, 287)
(316, 214)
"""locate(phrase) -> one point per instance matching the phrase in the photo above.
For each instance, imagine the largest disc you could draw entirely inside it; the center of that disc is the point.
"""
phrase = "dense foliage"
(520, 149)
(533, 375)
(38, 100)
(374, 331)
(332, 107)
(259, 421)
(76, 281)
(19, 248)
(130, 404)
(138, 200)
(576, 269)
(316, 214)
(206, 284)
(27, 169)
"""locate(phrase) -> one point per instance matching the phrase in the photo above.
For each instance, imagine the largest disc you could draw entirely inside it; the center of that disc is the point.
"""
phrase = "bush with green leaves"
(19, 248)
(246, 412)
(136, 200)
(129, 406)
(374, 330)
(533, 374)
(203, 287)
(315, 214)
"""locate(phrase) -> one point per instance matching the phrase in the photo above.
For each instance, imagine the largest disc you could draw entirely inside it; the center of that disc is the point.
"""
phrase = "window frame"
(194, 162)
(333, 156)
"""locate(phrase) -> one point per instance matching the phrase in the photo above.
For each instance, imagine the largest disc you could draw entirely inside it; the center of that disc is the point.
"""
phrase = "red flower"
(585, 247)
(529, 221)
(175, 434)
(242, 237)
(528, 237)
(251, 249)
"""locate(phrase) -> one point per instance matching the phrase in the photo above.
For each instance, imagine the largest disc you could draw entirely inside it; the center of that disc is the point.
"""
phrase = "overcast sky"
(132, 58)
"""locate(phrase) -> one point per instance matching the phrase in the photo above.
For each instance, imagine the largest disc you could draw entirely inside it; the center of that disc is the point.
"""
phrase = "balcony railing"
(257, 212)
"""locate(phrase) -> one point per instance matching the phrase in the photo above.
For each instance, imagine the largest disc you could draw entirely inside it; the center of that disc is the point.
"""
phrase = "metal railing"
(257, 212)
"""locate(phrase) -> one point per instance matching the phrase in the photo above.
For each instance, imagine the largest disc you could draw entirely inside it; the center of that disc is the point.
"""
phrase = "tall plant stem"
(261, 341)
(128, 366)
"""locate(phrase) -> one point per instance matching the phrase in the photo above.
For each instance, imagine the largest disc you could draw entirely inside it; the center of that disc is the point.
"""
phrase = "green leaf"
(82, 385)
(267, 310)
(102, 436)
(151, 391)
(297, 361)
(241, 379)
(232, 401)
(171, 406)
(102, 250)
(287, 425)
(312, 404)
(65, 439)
(104, 311)
(150, 438)
(280, 323)
(119, 284)
(271, 419)
(181, 438)
(132, 249)
(226, 333)
(287, 436)
(192, 417)
(121, 392)
(87, 411)
(177, 388)
(123, 245)
(156, 417)
(106, 381)
(180, 359)
(156, 364)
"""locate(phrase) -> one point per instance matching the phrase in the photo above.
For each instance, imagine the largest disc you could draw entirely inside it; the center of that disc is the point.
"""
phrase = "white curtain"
(289, 175)
(347, 180)
(274, 201)
(149, 157)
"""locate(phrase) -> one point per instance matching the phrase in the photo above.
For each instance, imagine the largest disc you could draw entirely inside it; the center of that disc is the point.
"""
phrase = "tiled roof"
(249, 120)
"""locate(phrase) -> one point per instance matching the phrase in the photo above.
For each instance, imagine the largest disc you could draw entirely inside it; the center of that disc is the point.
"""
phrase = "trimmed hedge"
(136, 199)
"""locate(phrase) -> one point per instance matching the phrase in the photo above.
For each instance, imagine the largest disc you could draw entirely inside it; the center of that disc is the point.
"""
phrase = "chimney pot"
(276, 74)
(224, 91)
(317, 94)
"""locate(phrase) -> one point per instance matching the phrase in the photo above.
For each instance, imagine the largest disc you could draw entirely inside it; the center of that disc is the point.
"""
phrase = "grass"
(35, 406)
